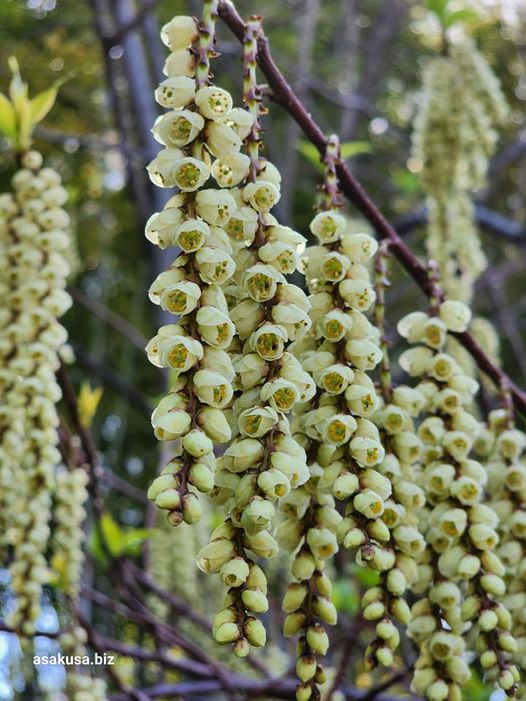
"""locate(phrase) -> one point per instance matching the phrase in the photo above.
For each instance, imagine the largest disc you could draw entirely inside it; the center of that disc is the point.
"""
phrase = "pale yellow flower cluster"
(454, 139)
(33, 234)
(460, 575)
(504, 446)
(385, 603)
(342, 443)
(285, 382)
(216, 351)
(69, 514)
(70, 497)
(202, 135)
(79, 685)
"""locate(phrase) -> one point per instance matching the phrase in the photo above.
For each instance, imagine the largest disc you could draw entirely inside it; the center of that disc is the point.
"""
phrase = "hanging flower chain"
(459, 528)
(264, 462)
(33, 234)
(201, 125)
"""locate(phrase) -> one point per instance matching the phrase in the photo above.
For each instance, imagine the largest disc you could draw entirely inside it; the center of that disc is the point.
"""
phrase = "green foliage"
(407, 182)
(345, 597)
(448, 17)
(7, 118)
(88, 400)
(108, 539)
(476, 690)
(20, 114)
(367, 577)
(347, 150)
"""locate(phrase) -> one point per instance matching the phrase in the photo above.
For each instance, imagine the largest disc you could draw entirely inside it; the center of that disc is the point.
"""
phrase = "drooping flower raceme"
(342, 444)
(400, 407)
(33, 234)
(69, 514)
(264, 462)
(70, 497)
(460, 576)
(201, 140)
(503, 446)
(454, 138)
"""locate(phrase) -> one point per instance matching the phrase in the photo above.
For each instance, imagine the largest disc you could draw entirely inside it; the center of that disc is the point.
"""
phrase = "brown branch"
(52, 635)
(162, 630)
(489, 221)
(353, 190)
(134, 610)
(108, 316)
(176, 603)
(96, 472)
(251, 688)
(113, 380)
(138, 653)
(133, 23)
(119, 484)
(183, 609)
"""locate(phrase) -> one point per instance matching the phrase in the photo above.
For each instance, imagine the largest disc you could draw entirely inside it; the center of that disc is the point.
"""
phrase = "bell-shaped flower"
(261, 195)
(222, 140)
(328, 227)
(215, 327)
(213, 102)
(177, 129)
(230, 169)
(215, 206)
(174, 93)
(180, 32)
(181, 62)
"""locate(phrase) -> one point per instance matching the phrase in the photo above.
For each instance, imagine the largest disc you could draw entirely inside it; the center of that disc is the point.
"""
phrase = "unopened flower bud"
(227, 633)
(306, 667)
(255, 632)
(197, 443)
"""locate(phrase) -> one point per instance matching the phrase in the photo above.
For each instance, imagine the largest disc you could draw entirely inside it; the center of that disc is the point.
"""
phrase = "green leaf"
(108, 537)
(96, 547)
(354, 148)
(476, 690)
(7, 118)
(369, 578)
(347, 149)
(17, 87)
(407, 182)
(42, 103)
(311, 154)
(452, 18)
(112, 534)
(345, 596)
(134, 538)
(438, 7)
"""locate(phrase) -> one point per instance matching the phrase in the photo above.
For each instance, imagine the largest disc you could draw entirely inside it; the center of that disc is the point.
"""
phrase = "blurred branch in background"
(112, 379)
(307, 23)
(488, 220)
(368, 82)
(117, 322)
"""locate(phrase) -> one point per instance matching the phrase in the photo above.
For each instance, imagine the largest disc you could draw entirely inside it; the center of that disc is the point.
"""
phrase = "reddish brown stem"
(283, 94)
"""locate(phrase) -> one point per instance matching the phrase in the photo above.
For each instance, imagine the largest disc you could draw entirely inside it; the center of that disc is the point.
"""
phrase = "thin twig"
(112, 379)
(96, 472)
(285, 96)
(108, 316)
(133, 23)
(489, 221)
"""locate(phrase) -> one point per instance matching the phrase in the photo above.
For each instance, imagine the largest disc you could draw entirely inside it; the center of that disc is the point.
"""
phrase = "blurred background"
(357, 66)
